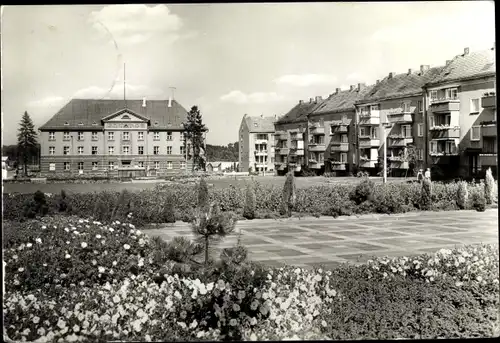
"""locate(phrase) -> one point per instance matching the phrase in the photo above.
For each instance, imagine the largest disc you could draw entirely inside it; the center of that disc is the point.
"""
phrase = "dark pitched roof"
(88, 111)
(472, 65)
(264, 124)
(298, 113)
(341, 101)
(400, 85)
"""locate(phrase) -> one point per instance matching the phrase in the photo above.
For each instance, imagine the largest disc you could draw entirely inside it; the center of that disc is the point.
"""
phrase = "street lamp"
(384, 140)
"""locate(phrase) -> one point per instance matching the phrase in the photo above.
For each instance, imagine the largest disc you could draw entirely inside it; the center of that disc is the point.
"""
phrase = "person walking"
(420, 176)
(428, 174)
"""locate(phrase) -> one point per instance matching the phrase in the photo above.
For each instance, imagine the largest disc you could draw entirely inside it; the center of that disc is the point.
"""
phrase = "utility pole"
(384, 141)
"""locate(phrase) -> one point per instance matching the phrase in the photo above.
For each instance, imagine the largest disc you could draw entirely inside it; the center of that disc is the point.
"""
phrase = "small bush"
(363, 191)
(489, 185)
(289, 195)
(203, 194)
(249, 209)
(169, 210)
(426, 195)
(479, 201)
(462, 195)
(362, 174)
(36, 206)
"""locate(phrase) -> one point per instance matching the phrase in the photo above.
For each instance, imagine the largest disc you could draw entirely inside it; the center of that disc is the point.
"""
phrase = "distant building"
(221, 166)
(115, 138)
(256, 138)
(4, 167)
(461, 115)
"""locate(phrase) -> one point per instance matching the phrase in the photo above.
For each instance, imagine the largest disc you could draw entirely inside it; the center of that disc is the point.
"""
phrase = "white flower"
(38, 240)
(236, 307)
(233, 322)
(98, 236)
(67, 256)
(115, 263)
(193, 325)
(253, 337)
(36, 319)
(126, 246)
(479, 278)
(61, 323)
(29, 245)
(84, 245)
(142, 242)
(116, 299)
(44, 227)
(76, 328)
(101, 269)
(66, 229)
(21, 269)
(323, 323)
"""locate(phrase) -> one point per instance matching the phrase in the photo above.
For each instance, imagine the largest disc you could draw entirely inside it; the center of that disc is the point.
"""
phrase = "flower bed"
(148, 206)
(79, 280)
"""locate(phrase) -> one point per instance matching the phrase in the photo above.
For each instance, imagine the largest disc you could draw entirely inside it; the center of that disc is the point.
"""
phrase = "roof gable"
(341, 101)
(125, 115)
(298, 113)
(259, 124)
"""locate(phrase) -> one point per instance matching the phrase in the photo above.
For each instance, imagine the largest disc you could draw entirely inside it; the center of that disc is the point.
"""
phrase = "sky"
(228, 59)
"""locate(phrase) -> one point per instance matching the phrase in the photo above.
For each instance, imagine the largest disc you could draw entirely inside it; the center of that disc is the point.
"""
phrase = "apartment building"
(391, 113)
(256, 144)
(331, 131)
(115, 138)
(461, 115)
(291, 133)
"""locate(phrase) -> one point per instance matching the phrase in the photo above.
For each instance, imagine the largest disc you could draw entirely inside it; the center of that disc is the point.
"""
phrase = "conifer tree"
(194, 133)
(250, 202)
(289, 195)
(26, 141)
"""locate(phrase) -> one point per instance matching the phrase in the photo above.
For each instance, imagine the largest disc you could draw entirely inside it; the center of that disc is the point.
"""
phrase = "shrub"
(489, 185)
(168, 214)
(426, 195)
(62, 202)
(462, 195)
(479, 201)
(289, 195)
(35, 206)
(363, 191)
(250, 201)
(203, 194)
(122, 206)
(362, 174)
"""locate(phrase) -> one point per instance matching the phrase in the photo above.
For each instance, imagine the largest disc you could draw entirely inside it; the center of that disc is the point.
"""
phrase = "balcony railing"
(400, 141)
(399, 118)
(339, 147)
(283, 151)
(339, 129)
(489, 101)
(260, 152)
(369, 143)
(296, 152)
(399, 164)
(316, 164)
(366, 163)
(317, 147)
(317, 130)
(296, 136)
(488, 130)
(451, 152)
(369, 120)
(445, 105)
(444, 132)
(338, 165)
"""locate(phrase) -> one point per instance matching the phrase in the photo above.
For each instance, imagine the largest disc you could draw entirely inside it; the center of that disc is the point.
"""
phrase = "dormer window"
(156, 123)
(255, 124)
(94, 123)
(125, 126)
(66, 123)
(125, 117)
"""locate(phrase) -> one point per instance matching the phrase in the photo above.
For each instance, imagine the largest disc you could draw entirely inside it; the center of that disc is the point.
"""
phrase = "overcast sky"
(229, 59)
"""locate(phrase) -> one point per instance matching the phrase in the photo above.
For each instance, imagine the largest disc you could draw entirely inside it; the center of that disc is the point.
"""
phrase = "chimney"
(377, 82)
(448, 62)
(424, 68)
(143, 102)
(391, 74)
(466, 51)
(319, 98)
(169, 101)
(311, 100)
(352, 87)
(361, 86)
(262, 116)
(301, 102)
(409, 71)
(337, 90)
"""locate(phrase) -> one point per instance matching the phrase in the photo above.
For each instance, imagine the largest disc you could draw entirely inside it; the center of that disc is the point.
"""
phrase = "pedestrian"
(428, 174)
(420, 176)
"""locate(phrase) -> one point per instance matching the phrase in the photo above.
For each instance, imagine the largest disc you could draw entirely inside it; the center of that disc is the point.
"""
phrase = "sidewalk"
(310, 241)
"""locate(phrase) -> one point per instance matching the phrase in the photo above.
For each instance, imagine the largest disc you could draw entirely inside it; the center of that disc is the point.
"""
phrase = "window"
(420, 106)
(183, 136)
(52, 150)
(66, 135)
(80, 136)
(95, 165)
(321, 157)
(451, 93)
(156, 136)
(80, 165)
(420, 130)
(434, 95)
(374, 133)
(67, 166)
(140, 164)
(126, 136)
(169, 165)
(489, 145)
(343, 157)
(363, 131)
(406, 131)
(52, 136)
(126, 150)
(140, 150)
(66, 150)
(94, 135)
(169, 150)
(156, 150)
(157, 165)
(183, 164)
(94, 150)
(447, 119)
(433, 147)
(474, 106)
(111, 150)
(432, 121)
(374, 108)
(169, 135)
(111, 165)
(344, 139)
(52, 167)
(111, 136)
(140, 135)
(449, 147)
(406, 107)
(125, 116)
(80, 150)
(420, 155)
(475, 133)
(183, 150)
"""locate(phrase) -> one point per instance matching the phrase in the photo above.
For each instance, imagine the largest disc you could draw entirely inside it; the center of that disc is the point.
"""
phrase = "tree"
(489, 187)
(26, 140)
(194, 132)
(203, 195)
(250, 202)
(289, 195)
(410, 155)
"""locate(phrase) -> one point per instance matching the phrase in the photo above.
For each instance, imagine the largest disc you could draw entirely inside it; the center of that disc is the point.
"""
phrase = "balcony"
(338, 165)
(261, 141)
(399, 165)
(260, 152)
(367, 143)
(397, 118)
(313, 164)
(489, 101)
(283, 151)
(339, 147)
(339, 129)
(445, 105)
(296, 136)
(296, 152)
(399, 141)
(489, 130)
(444, 132)
(317, 129)
(317, 147)
(366, 121)
(488, 159)
(280, 136)
(281, 166)
(445, 152)
(366, 163)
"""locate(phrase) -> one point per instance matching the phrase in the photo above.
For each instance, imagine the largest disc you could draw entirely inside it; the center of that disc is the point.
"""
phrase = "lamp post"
(384, 140)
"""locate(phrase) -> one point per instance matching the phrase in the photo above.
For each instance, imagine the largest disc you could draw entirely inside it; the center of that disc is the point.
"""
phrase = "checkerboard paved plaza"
(327, 241)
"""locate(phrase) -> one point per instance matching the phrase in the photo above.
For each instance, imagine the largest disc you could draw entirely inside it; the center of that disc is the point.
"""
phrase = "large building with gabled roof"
(114, 138)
